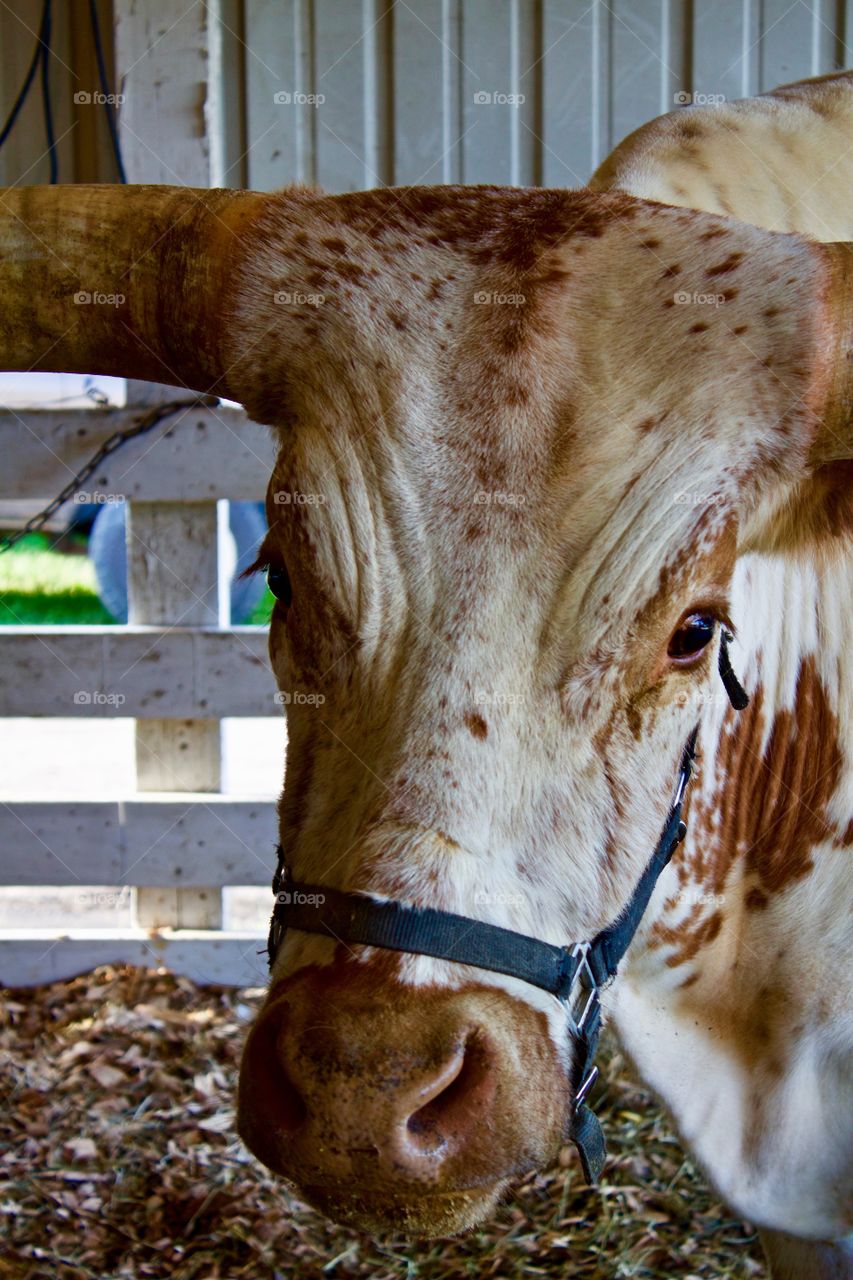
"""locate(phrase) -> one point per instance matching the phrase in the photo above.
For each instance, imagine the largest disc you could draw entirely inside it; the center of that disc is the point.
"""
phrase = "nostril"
(274, 1095)
(456, 1095)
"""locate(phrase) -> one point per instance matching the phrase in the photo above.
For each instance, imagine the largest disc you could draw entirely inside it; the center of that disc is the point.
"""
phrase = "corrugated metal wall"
(356, 93)
(403, 83)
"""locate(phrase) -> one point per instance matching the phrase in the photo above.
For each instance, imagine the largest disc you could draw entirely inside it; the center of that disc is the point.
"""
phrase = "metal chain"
(147, 422)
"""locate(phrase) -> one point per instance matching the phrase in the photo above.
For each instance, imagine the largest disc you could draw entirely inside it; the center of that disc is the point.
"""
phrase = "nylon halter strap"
(574, 974)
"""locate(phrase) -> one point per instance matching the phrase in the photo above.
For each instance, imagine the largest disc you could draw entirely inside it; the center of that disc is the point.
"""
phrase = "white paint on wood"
(197, 454)
(173, 577)
(147, 672)
(162, 63)
(173, 564)
(178, 755)
(168, 840)
(29, 957)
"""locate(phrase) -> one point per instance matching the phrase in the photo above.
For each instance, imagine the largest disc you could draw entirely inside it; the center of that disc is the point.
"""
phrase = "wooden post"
(168, 67)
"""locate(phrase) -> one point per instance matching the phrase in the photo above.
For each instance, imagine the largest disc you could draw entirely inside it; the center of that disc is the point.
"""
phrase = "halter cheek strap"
(575, 974)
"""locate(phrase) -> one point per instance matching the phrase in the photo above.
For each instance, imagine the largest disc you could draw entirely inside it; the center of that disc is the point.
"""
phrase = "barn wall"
(393, 87)
(401, 83)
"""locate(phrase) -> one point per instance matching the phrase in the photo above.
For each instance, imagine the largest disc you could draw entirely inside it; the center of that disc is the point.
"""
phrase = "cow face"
(525, 432)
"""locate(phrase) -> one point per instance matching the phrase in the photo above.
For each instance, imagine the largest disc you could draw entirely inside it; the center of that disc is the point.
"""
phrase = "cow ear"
(781, 161)
(833, 440)
(811, 503)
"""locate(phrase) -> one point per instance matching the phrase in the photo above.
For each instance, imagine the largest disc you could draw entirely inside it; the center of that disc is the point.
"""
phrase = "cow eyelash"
(278, 579)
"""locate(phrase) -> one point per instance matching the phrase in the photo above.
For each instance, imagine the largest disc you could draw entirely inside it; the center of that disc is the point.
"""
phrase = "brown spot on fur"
(691, 129)
(771, 805)
(476, 724)
(741, 328)
(651, 243)
(673, 269)
(731, 263)
(689, 943)
(714, 233)
(755, 900)
(698, 328)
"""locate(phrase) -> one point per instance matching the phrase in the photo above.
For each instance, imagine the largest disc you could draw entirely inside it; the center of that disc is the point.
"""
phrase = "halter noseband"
(574, 974)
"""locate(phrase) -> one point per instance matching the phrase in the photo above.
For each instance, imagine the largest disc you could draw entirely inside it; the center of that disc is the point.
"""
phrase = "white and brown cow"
(561, 436)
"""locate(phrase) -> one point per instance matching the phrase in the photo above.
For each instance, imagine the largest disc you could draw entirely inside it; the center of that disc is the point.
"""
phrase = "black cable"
(105, 89)
(45, 93)
(28, 80)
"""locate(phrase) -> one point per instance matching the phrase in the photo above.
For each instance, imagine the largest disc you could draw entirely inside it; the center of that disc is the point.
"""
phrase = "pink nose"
(344, 1098)
(387, 1087)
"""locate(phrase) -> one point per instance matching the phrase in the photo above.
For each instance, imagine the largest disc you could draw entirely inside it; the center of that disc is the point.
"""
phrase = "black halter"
(574, 974)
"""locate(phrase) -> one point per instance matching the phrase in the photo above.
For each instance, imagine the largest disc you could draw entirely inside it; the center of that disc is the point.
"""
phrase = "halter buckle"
(585, 1086)
(582, 975)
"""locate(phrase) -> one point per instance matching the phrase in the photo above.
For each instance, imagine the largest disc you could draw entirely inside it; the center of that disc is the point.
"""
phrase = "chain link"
(139, 427)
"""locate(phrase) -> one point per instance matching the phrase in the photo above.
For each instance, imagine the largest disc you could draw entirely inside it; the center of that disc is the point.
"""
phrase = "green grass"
(40, 587)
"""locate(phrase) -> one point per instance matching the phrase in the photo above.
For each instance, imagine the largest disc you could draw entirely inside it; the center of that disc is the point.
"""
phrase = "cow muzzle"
(395, 1107)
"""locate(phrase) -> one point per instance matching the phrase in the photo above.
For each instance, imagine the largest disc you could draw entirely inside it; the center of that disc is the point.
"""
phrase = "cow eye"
(693, 636)
(278, 581)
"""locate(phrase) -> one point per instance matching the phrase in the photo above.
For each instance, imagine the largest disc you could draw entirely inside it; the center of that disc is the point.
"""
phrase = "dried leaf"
(107, 1077)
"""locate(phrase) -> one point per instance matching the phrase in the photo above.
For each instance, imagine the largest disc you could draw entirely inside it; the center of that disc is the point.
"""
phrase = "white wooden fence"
(349, 94)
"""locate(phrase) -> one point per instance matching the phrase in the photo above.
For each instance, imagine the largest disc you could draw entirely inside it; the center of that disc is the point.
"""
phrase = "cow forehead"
(520, 363)
(493, 320)
(552, 399)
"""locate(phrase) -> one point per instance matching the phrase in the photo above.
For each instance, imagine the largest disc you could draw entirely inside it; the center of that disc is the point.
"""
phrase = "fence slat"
(32, 956)
(194, 456)
(146, 672)
(178, 839)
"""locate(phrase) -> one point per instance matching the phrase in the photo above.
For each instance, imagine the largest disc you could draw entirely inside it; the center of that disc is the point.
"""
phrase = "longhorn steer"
(546, 481)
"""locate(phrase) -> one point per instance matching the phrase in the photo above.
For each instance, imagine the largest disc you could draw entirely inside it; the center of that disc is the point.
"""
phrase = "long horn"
(835, 438)
(130, 281)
